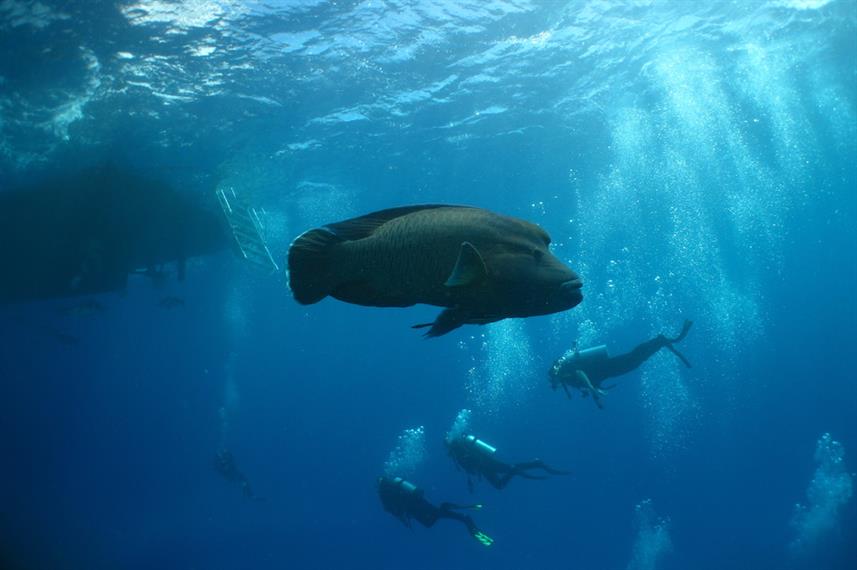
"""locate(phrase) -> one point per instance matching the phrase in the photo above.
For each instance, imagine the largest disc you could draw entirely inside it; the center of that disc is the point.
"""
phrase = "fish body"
(85, 308)
(481, 265)
(171, 302)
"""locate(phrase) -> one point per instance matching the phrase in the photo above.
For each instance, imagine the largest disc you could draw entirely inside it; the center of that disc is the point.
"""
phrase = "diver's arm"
(588, 383)
(584, 379)
(581, 375)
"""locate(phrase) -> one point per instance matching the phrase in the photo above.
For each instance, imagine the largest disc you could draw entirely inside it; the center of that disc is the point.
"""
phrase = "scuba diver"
(225, 464)
(587, 369)
(406, 501)
(477, 458)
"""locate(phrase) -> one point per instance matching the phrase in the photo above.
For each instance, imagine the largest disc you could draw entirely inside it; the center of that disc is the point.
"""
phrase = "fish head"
(527, 279)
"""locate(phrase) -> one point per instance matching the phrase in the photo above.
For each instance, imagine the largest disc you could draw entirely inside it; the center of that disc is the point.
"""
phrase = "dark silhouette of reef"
(84, 232)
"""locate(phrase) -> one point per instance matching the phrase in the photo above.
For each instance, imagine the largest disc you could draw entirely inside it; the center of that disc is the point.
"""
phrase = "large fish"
(482, 266)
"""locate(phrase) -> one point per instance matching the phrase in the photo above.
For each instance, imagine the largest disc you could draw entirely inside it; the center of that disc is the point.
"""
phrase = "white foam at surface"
(21, 13)
(802, 4)
(553, 73)
(182, 15)
(202, 50)
(72, 110)
(342, 116)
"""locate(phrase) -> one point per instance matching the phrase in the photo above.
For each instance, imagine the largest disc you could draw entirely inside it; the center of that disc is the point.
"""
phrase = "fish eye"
(538, 254)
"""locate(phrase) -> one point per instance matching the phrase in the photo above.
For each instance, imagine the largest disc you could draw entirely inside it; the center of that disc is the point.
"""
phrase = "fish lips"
(570, 291)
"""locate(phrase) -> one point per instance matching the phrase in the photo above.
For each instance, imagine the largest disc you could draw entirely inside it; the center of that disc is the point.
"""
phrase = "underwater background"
(691, 160)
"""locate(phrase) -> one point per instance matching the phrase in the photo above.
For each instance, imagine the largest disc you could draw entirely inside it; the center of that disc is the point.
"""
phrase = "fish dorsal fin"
(365, 226)
(469, 269)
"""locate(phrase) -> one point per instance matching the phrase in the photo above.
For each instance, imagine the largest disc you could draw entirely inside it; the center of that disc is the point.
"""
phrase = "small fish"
(171, 302)
(62, 337)
(85, 308)
(481, 266)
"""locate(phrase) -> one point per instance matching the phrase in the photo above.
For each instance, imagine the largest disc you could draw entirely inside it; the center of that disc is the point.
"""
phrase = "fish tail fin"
(310, 269)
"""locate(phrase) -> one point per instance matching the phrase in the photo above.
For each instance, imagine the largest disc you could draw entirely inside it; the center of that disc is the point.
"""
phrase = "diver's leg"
(520, 469)
(624, 363)
(596, 397)
(539, 464)
(525, 475)
(427, 514)
(447, 512)
(499, 480)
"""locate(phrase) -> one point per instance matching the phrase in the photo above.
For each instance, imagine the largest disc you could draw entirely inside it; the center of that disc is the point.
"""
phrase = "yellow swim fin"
(483, 538)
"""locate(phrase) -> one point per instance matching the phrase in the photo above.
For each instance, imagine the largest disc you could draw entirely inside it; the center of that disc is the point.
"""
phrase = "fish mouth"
(571, 291)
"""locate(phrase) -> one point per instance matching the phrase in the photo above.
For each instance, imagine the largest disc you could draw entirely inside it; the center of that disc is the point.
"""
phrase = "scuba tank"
(590, 355)
(480, 445)
(405, 486)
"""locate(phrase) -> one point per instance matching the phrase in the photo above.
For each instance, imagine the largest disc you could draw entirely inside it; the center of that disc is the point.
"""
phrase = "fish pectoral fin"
(469, 269)
(448, 320)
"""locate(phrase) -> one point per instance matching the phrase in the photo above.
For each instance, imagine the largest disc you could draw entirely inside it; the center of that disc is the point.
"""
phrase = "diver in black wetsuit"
(225, 464)
(587, 369)
(405, 501)
(477, 458)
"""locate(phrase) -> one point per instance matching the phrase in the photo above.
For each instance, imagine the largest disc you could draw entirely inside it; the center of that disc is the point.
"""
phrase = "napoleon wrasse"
(481, 266)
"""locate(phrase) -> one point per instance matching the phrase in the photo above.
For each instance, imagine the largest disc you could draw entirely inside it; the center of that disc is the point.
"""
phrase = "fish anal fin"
(469, 268)
(448, 320)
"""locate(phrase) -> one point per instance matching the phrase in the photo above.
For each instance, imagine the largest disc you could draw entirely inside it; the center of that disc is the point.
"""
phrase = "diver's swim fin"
(475, 507)
(685, 328)
(670, 341)
(552, 470)
(680, 356)
(483, 538)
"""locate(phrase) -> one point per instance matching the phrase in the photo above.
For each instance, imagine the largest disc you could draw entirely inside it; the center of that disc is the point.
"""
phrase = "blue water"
(690, 160)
